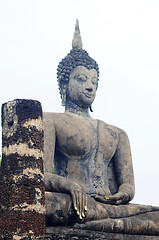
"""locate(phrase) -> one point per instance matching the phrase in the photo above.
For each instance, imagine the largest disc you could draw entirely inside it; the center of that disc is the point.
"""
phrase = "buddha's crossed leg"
(130, 218)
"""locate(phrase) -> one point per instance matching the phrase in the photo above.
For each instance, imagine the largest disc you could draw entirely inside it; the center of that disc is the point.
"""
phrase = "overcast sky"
(122, 36)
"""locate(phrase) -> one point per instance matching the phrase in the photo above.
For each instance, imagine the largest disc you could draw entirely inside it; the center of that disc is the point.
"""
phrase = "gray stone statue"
(93, 181)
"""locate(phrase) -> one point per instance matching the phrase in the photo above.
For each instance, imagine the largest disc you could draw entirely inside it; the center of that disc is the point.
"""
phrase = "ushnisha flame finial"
(77, 41)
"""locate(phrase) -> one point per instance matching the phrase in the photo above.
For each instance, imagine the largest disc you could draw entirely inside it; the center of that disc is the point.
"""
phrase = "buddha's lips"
(88, 95)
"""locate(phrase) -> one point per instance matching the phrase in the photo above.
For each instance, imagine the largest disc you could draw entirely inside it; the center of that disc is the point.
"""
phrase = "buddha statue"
(92, 182)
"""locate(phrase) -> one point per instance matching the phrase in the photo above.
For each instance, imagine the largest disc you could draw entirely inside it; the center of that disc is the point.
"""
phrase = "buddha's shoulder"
(52, 117)
(59, 118)
(112, 129)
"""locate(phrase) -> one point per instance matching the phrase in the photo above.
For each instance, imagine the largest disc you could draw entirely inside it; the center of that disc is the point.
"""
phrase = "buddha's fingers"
(78, 200)
(81, 199)
(84, 204)
(115, 197)
(118, 198)
(74, 199)
(80, 204)
(85, 207)
(124, 199)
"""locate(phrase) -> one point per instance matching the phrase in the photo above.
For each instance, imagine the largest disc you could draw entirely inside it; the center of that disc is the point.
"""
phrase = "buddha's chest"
(77, 138)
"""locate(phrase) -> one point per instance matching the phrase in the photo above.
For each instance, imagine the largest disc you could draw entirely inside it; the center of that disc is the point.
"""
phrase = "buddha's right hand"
(79, 199)
(56, 183)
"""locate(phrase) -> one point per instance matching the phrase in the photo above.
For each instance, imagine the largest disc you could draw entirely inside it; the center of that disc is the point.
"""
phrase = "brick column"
(22, 202)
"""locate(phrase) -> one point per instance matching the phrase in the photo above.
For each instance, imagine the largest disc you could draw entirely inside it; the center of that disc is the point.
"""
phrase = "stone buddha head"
(78, 75)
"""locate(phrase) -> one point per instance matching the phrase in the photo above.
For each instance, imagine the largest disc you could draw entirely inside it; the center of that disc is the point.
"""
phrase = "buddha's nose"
(89, 86)
(89, 89)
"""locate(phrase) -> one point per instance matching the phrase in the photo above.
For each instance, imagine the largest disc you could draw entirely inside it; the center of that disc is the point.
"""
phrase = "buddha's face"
(81, 88)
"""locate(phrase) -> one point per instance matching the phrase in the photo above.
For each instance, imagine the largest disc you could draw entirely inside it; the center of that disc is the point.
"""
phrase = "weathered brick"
(22, 201)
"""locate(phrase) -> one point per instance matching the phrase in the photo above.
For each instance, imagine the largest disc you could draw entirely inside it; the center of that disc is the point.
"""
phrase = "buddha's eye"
(94, 80)
(81, 78)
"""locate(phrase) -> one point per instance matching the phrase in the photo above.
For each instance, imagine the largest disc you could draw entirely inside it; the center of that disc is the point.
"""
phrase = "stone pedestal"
(64, 233)
(22, 202)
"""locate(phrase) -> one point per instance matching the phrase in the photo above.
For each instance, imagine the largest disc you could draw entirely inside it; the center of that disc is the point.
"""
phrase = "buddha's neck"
(73, 108)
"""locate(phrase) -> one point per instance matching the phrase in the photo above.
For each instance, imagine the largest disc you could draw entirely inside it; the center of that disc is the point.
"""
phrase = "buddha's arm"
(53, 182)
(56, 183)
(49, 141)
(124, 170)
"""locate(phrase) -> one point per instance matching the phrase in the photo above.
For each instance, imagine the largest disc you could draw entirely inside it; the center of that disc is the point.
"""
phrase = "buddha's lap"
(63, 202)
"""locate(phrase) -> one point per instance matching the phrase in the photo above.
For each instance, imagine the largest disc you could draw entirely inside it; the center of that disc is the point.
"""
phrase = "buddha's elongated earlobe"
(63, 100)
(91, 108)
(63, 96)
